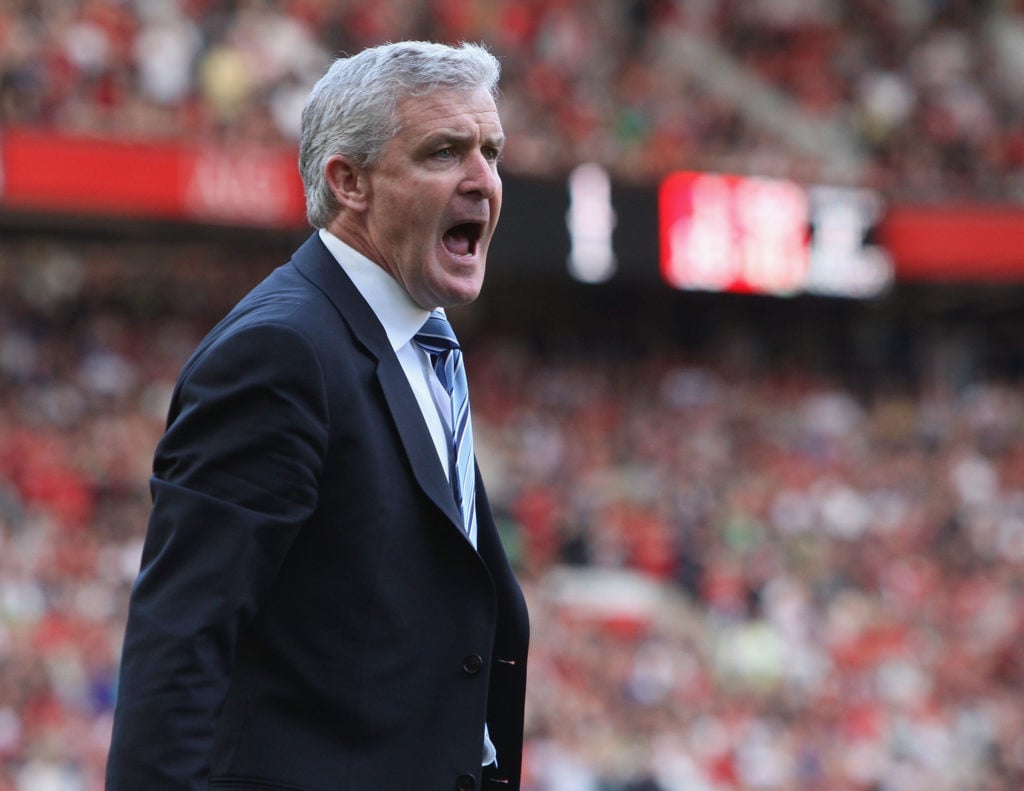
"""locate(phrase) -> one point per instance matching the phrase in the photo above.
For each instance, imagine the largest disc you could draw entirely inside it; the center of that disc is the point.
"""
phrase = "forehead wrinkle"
(435, 109)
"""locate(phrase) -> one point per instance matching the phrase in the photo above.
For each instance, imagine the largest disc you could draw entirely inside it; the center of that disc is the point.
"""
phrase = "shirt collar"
(400, 316)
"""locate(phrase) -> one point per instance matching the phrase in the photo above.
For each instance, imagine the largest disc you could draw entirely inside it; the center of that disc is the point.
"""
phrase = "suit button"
(465, 783)
(472, 664)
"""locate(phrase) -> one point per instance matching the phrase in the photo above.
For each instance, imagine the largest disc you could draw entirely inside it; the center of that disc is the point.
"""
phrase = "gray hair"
(352, 109)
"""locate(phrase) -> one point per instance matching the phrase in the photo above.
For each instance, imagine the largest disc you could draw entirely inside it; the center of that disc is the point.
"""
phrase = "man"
(320, 604)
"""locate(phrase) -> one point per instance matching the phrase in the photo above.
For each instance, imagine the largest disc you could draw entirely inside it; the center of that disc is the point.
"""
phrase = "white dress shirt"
(402, 319)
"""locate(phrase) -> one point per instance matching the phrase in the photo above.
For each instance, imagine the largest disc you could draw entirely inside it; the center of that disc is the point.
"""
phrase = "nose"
(481, 176)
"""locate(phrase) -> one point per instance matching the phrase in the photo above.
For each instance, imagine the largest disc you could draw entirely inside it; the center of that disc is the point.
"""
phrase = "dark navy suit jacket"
(309, 614)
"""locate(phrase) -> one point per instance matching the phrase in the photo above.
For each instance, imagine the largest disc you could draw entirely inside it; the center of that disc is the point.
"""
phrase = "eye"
(444, 153)
(492, 153)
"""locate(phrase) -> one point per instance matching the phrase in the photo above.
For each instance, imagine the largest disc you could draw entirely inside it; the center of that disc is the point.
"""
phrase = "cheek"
(403, 225)
(412, 209)
(496, 208)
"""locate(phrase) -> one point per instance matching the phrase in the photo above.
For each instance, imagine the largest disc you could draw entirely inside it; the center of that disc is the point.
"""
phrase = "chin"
(462, 297)
(465, 289)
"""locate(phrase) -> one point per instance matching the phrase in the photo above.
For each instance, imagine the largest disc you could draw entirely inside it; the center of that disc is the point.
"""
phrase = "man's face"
(434, 196)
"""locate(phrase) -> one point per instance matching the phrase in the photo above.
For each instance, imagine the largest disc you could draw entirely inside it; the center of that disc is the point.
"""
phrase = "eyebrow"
(456, 136)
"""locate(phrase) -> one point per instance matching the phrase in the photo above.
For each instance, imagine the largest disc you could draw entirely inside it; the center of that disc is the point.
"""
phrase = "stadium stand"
(768, 545)
(920, 99)
(744, 572)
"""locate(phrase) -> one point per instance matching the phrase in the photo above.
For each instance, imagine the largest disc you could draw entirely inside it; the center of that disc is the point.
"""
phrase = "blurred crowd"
(922, 99)
(741, 577)
(87, 354)
(840, 605)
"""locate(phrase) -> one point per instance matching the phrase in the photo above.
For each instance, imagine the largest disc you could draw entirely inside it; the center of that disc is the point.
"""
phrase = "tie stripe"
(438, 340)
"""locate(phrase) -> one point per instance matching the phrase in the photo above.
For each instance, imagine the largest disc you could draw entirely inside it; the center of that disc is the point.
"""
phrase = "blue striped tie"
(438, 340)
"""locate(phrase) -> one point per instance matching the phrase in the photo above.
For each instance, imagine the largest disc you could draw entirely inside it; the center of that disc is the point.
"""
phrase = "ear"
(348, 182)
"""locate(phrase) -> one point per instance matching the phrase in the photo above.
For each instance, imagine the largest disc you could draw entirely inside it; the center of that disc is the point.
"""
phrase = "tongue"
(456, 242)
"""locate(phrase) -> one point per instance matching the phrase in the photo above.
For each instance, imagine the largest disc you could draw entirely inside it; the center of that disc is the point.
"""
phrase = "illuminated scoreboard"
(769, 236)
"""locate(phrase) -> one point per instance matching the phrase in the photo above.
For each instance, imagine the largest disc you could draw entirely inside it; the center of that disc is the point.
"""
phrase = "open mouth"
(462, 239)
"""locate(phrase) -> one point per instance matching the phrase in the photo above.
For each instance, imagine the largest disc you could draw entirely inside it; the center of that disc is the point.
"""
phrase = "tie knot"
(436, 336)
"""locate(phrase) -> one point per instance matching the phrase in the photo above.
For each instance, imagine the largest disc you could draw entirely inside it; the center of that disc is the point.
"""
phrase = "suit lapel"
(317, 264)
(419, 447)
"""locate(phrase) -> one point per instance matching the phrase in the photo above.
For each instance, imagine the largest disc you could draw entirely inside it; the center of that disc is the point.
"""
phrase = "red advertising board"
(973, 243)
(84, 176)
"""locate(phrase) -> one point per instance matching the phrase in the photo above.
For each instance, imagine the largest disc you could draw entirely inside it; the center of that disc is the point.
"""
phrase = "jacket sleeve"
(235, 478)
